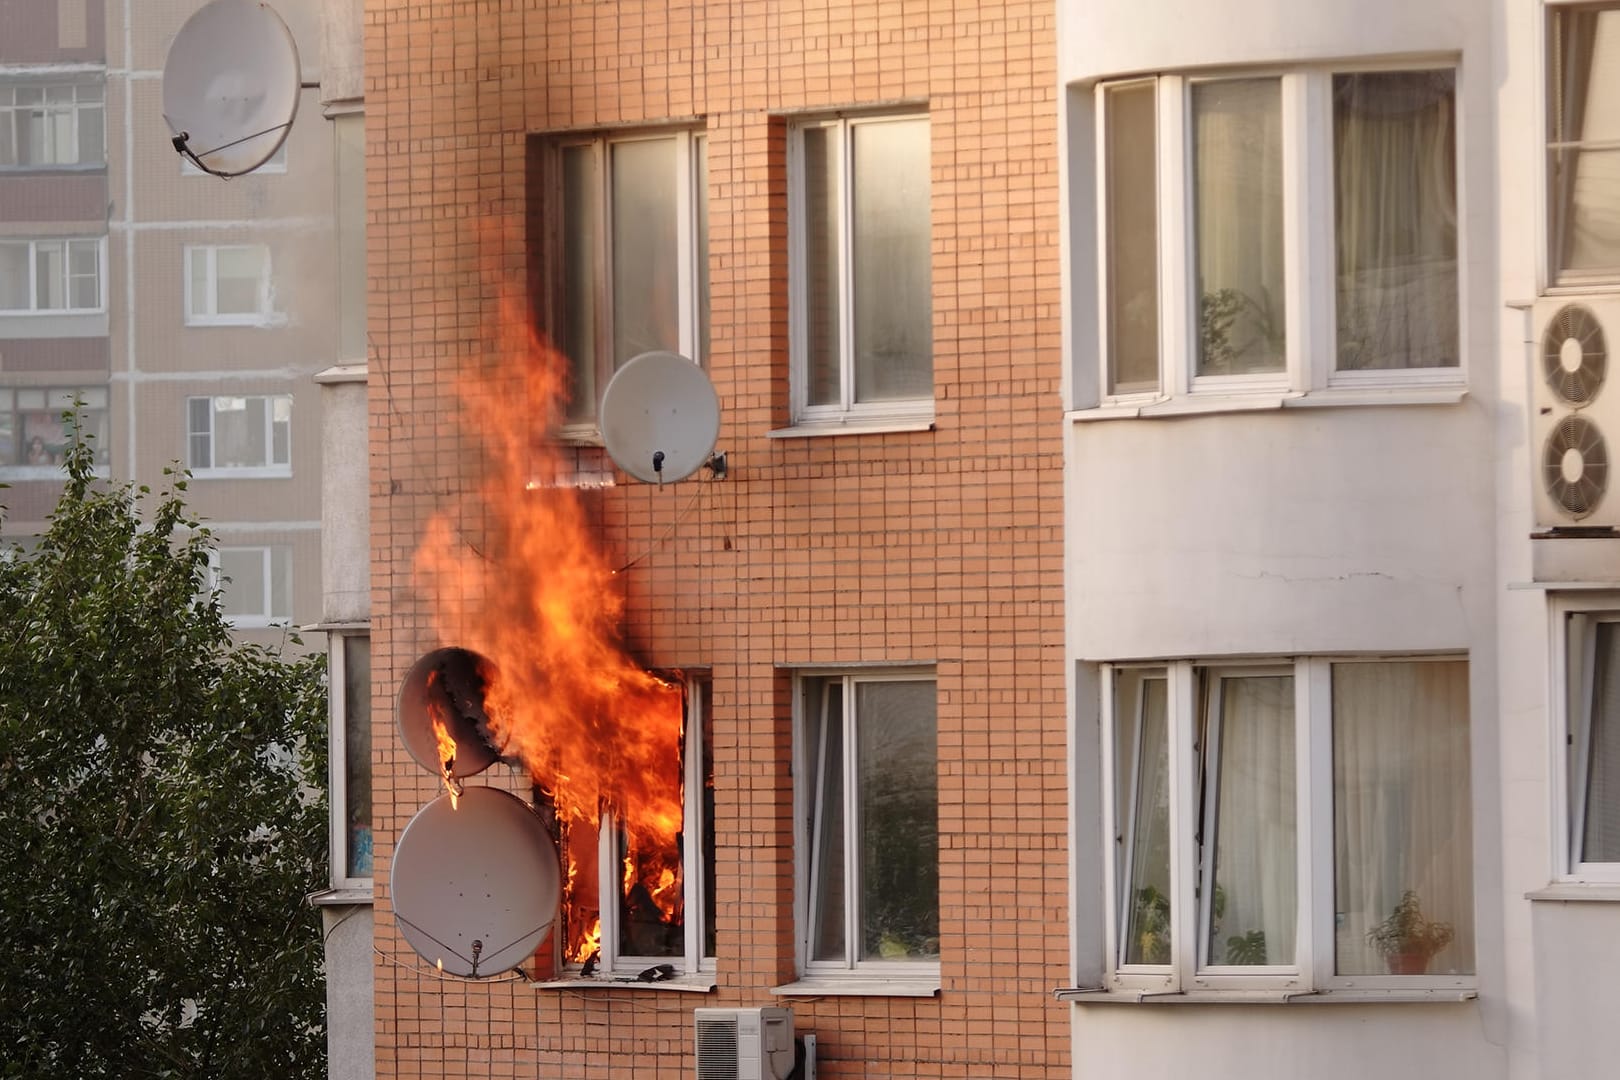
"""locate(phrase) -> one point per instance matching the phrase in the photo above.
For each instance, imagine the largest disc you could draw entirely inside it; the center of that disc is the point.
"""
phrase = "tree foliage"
(160, 811)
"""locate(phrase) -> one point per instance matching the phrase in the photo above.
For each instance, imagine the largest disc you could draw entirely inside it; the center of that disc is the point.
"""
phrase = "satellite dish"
(448, 684)
(475, 882)
(230, 86)
(660, 417)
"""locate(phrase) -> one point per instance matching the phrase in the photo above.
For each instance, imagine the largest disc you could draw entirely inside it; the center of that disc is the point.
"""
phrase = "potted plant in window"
(1408, 938)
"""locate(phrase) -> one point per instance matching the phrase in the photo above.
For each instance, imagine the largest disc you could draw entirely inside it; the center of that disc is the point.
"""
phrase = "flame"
(514, 571)
(446, 746)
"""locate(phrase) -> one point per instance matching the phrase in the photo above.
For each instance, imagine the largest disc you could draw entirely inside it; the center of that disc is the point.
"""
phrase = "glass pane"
(1584, 186)
(357, 753)
(897, 752)
(201, 298)
(1238, 209)
(1403, 886)
(242, 582)
(239, 432)
(1131, 194)
(239, 280)
(91, 135)
(14, 277)
(1254, 904)
(580, 221)
(824, 738)
(646, 256)
(1600, 790)
(1395, 219)
(892, 291)
(8, 144)
(821, 275)
(281, 582)
(1142, 816)
(50, 276)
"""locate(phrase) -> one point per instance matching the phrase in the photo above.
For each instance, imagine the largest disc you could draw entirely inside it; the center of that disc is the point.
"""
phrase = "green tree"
(161, 815)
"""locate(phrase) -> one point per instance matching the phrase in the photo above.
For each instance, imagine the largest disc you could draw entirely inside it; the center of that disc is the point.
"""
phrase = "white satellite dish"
(660, 417)
(230, 86)
(475, 882)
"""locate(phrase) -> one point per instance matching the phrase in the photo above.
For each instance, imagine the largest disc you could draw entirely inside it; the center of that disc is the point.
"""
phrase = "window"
(254, 585)
(1583, 143)
(35, 437)
(349, 664)
(1589, 767)
(228, 285)
(1291, 825)
(51, 124)
(629, 269)
(50, 276)
(859, 242)
(868, 806)
(1210, 258)
(240, 436)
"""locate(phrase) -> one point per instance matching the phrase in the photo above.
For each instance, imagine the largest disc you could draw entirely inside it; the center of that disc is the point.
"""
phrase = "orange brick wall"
(939, 546)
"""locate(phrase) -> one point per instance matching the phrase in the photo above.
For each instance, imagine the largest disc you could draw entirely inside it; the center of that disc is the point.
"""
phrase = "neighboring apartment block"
(186, 313)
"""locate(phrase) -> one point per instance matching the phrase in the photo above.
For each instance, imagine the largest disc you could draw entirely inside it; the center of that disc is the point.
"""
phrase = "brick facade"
(938, 547)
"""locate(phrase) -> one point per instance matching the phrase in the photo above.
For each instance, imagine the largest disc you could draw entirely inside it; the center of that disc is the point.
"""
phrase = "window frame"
(691, 222)
(68, 243)
(848, 414)
(1559, 281)
(337, 644)
(73, 110)
(271, 469)
(269, 555)
(1313, 970)
(1310, 366)
(852, 974)
(264, 315)
(1573, 616)
(64, 395)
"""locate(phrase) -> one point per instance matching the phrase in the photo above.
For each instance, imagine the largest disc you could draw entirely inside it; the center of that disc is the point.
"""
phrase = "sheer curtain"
(1395, 219)
(1401, 805)
(1238, 206)
(1585, 180)
(1253, 908)
(1142, 816)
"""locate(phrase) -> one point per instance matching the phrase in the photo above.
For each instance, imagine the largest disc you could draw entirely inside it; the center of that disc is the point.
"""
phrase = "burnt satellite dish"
(442, 720)
(660, 417)
(475, 882)
(230, 86)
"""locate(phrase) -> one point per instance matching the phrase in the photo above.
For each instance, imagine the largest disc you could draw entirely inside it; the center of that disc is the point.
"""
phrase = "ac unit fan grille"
(1575, 465)
(1574, 355)
(718, 1053)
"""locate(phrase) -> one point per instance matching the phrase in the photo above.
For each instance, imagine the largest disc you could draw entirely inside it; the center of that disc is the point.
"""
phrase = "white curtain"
(1585, 181)
(1254, 906)
(1401, 805)
(1395, 219)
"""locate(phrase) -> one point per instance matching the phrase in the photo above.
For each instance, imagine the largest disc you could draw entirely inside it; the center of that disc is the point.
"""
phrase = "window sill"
(853, 987)
(822, 428)
(244, 472)
(343, 896)
(1205, 405)
(1558, 891)
(698, 983)
(1080, 995)
(264, 321)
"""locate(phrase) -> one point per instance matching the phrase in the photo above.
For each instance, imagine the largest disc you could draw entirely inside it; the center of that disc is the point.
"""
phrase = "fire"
(515, 573)
(446, 746)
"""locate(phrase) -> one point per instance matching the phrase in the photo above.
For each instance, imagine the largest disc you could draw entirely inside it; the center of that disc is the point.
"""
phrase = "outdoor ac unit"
(744, 1044)
(1575, 431)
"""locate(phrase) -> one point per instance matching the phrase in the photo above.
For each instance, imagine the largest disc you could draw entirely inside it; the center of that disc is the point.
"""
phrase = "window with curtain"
(1590, 714)
(1209, 267)
(1211, 803)
(1583, 143)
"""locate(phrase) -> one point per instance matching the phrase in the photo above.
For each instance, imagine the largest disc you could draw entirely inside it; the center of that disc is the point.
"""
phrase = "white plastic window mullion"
(852, 830)
(1316, 332)
(1178, 315)
(845, 217)
(1181, 699)
(1117, 854)
(1579, 740)
(1100, 370)
(1314, 751)
(798, 337)
(1298, 242)
(608, 875)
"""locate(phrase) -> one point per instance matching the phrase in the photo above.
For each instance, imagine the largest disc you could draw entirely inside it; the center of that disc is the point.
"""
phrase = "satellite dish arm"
(183, 148)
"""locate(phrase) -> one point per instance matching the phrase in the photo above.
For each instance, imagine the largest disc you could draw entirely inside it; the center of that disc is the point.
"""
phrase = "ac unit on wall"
(1576, 427)
(744, 1044)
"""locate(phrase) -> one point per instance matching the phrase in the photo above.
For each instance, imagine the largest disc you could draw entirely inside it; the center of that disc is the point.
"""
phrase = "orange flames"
(446, 744)
(513, 570)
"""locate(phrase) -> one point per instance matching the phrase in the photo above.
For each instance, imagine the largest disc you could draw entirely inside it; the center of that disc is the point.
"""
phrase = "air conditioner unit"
(1576, 423)
(744, 1044)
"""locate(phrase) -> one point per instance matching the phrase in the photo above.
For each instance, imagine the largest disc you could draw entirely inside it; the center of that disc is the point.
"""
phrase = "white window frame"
(1314, 951)
(265, 617)
(337, 757)
(851, 975)
(271, 469)
(265, 315)
(1311, 352)
(67, 243)
(56, 400)
(1558, 280)
(1573, 638)
(73, 110)
(691, 210)
(848, 415)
